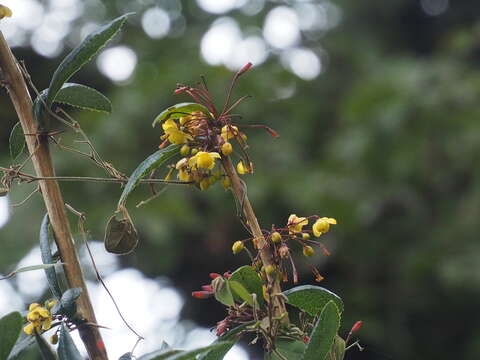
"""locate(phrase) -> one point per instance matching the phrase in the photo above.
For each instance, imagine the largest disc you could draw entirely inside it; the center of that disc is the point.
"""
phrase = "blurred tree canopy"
(385, 139)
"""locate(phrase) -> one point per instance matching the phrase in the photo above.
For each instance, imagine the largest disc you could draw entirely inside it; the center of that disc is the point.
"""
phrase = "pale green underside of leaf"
(323, 334)
(82, 54)
(154, 161)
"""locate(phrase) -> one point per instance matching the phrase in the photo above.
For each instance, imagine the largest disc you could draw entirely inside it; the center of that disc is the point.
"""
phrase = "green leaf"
(290, 349)
(192, 354)
(67, 304)
(10, 327)
(222, 290)
(28, 268)
(45, 350)
(66, 347)
(83, 97)
(323, 334)
(23, 343)
(337, 352)
(160, 354)
(16, 141)
(151, 163)
(248, 277)
(312, 299)
(239, 289)
(179, 110)
(82, 54)
(46, 237)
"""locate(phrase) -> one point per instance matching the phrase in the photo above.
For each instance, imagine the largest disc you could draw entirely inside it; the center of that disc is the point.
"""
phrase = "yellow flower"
(184, 175)
(5, 12)
(322, 225)
(228, 132)
(308, 251)
(295, 223)
(237, 247)
(174, 135)
(276, 237)
(227, 149)
(39, 318)
(242, 169)
(206, 160)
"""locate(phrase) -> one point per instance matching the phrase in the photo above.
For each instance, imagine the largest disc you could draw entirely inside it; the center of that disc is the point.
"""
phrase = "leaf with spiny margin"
(311, 298)
(151, 163)
(83, 97)
(45, 350)
(192, 354)
(82, 54)
(178, 110)
(16, 141)
(46, 237)
(249, 278)
(66, 347)
(323, 334)
(290, 349)
(10, 327)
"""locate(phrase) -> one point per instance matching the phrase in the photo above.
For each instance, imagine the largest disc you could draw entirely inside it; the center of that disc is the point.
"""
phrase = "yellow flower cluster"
(198, 169)
(39, 318)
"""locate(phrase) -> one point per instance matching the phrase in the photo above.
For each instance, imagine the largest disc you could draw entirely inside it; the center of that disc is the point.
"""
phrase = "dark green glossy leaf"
(192, 354)
(160, 354)
(222, 290)
(16, 141)
(337, 352)
(83, 97)
(323, 334)
(24, 342)
(179, 110)
(46, 237)
(66, 347)
(121, 237)
(10, 327)
(312, 299)
(151, 163)
(83, 54)
(45, 350)
(232, 335)
(290, 349)
(248, 277)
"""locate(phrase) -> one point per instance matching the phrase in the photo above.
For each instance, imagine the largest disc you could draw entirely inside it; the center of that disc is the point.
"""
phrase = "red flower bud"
(356, 327)
(227, 275)
(214, 275)
(306, 339)
(245, 68)
(202, 294)
(208, 288)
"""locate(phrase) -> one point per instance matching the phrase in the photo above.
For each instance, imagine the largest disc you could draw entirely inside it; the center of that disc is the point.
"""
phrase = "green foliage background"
(386, 140)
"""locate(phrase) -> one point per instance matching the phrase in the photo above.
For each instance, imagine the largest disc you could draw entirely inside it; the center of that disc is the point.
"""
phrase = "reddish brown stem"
(38, 147)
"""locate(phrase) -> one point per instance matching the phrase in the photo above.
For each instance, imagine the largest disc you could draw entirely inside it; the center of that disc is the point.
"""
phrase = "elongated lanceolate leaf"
(45, 350)
(323, 334)
(16, 141)
(312, 299)
(192, 354)
(23, 343)
(82, 54)
(179, 110)
(46, 236)
(66, 347)
(29, 268)
(10, 327)
(154, 161)
(83, 97)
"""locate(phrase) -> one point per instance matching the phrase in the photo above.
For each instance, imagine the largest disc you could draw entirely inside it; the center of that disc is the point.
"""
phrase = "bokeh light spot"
(117, 63)
(156, 22)
(281, 28)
